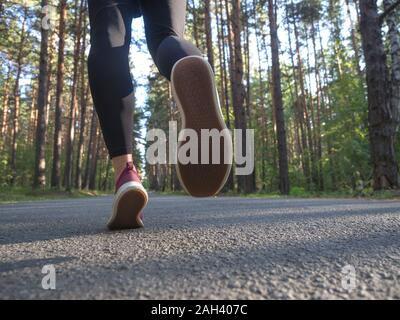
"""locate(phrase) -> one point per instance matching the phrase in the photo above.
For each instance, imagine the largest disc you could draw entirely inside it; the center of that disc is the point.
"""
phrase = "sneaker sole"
(129, 201)
(194, 90)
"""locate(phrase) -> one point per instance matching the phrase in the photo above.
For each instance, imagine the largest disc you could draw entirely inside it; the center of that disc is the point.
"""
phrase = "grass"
(349, 194)
(296, 193)
(171, 193)
(18, 194)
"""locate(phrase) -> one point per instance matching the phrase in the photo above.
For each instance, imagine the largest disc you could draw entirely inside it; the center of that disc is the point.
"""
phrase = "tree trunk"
(308, 145)
(50, 78)
(90, 150)
(33, 115)
(277, 101)
(230, 184)
(251, 179)
(93, 165)
(334, 12)
(394, 41)
(195, 26)
(328, 114)
(313, 128)
(320, 104)
(382, 124)
(207, 25)
(39, 179)
(299, 102)
(4, 118)
(56, 167)
(238, 91)
(106, 177)
(16, 94)
(1, 7)
(261, 105)
(354, 40)
(83, 100)
(72, 113)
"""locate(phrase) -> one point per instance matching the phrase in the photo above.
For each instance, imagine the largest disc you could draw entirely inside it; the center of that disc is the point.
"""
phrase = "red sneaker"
(130, 199)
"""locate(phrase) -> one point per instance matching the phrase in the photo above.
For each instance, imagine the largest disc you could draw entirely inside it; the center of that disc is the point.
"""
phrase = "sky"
(141, 61)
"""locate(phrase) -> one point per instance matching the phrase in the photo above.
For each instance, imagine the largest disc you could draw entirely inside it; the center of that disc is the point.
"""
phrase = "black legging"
(108, 63)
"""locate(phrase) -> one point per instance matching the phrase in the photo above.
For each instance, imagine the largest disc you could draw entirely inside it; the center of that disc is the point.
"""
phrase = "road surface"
(216, 248)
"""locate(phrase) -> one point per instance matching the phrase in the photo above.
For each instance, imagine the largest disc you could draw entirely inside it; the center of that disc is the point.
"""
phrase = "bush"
(298, 191)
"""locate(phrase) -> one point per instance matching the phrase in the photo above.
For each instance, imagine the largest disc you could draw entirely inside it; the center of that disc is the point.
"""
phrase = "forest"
(317, 80)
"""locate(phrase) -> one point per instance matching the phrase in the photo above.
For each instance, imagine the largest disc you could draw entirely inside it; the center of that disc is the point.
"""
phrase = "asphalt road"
(216, 248)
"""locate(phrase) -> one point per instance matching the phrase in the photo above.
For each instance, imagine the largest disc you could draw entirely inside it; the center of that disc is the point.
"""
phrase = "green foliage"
(297, 191)
(17, 194)
(347, 131)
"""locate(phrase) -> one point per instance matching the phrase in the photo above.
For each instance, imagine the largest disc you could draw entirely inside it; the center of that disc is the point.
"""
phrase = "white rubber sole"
(218, 110)
(129, 201)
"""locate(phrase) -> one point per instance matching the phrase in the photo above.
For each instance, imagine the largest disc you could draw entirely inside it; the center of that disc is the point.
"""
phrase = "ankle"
(119, 164)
